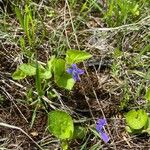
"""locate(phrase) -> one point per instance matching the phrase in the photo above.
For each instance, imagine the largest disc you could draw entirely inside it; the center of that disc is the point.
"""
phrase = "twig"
(17, 128)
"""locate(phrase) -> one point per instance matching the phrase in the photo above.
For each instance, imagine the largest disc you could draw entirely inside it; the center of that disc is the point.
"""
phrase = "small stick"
(17, 128)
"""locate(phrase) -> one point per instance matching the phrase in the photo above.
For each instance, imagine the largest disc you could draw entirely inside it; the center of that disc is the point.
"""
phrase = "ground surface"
(111, 86)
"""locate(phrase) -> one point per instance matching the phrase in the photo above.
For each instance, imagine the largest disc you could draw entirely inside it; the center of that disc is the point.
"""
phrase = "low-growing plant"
(63, 71)
(137, 121)
(61, 125)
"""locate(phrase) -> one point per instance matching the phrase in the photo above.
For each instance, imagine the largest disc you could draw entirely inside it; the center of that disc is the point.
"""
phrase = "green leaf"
(22, 44)
(135, 10)
(147, 95)
(45, 74)
(133, 131)
(136, 119)
(38, 80)
(60, 124)
(62, 79)
(79, 132)
(58, 67)
(65, 81)
(28, 69)
(147, 127)
(76, 56)
(18, 75)
(19, 16)
(51, 62)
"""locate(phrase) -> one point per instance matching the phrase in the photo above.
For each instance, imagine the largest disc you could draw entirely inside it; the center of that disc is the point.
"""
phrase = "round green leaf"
(18, 75)
(136, 119)
(60, 124)
(28, 69)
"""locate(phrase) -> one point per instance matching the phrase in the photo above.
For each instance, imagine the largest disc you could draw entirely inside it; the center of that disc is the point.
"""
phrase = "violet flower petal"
(74, 66)
(99, 127)
(104, 136)
(100, 124)
(69, 70)
(80, 71)
(75, 77)
(75, 72)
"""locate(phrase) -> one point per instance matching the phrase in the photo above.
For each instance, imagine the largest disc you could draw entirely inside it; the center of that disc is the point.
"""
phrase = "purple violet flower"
(75, 72)
(100, 129)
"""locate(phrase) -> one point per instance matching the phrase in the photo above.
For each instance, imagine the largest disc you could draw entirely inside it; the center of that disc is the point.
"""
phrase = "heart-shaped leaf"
(76, 56)
(60, 124)
(136, 119)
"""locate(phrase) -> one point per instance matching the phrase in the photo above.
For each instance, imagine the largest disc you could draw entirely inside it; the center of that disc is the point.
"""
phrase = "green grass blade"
(19, 16)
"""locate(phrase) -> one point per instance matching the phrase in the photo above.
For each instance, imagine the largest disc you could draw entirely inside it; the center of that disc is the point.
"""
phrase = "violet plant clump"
(100, 129)
(55, 69)
(75, 72)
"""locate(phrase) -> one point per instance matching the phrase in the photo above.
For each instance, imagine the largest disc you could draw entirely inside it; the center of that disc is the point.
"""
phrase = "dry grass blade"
(17, 128)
